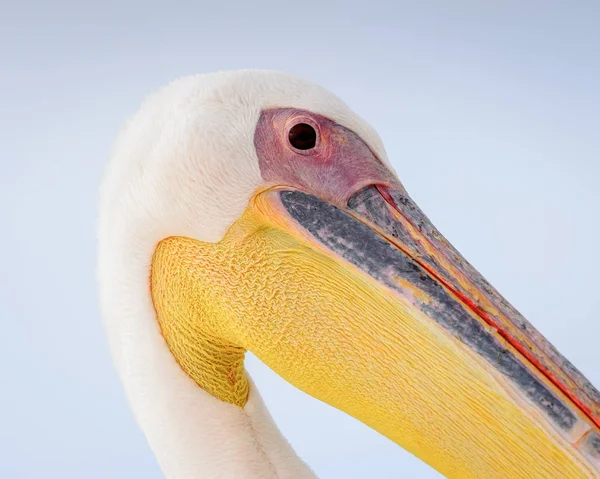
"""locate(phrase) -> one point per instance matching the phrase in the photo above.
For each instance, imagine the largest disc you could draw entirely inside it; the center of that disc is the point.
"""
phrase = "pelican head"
(254, 211)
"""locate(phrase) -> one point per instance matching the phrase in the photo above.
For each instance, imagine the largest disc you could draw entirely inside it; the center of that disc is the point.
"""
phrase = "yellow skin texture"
(335, 333)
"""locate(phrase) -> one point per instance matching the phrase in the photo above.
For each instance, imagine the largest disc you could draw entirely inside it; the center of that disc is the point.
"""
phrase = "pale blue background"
(491, 115)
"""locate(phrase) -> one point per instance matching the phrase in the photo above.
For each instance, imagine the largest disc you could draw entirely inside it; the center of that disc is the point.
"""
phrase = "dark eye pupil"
(303, 136)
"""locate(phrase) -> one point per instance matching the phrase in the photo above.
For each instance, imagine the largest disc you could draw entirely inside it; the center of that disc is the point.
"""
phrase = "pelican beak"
(448, 369)
(366, 307)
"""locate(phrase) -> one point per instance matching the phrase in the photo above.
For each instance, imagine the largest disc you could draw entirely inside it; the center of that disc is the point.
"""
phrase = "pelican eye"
(303, 136)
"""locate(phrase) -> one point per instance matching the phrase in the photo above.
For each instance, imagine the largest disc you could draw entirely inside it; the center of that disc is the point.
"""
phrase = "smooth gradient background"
(490, 114)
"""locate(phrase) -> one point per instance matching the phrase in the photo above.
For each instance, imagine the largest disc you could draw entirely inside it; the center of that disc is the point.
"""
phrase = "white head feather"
(185, 165)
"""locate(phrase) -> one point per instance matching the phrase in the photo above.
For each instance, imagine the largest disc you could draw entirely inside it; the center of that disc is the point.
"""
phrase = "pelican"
(254, 211)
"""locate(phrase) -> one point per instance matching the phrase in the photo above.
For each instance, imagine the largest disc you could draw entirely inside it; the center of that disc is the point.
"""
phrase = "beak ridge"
(396, 244)
(410, 228)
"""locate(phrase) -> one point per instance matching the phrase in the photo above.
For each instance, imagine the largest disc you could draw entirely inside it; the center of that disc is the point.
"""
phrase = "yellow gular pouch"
(335, 333)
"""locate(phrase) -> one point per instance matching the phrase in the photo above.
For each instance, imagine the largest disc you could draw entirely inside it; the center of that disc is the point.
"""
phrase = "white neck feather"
(191, 433)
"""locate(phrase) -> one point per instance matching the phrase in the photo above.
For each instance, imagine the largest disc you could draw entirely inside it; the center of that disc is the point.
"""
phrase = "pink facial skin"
(338, 166)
